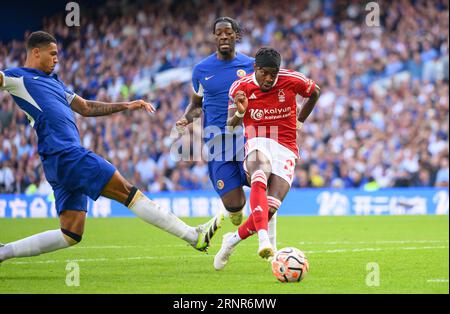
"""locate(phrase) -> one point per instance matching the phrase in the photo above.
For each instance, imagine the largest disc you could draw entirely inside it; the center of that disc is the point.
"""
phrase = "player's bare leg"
(234, 202)
(122, 191)
(71, 232)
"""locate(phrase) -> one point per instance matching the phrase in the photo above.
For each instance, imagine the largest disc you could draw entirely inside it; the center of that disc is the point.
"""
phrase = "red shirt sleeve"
(238, 85)
(302, 85)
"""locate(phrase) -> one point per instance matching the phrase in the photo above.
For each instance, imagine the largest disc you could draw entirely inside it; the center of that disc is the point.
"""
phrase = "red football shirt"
(273, 114)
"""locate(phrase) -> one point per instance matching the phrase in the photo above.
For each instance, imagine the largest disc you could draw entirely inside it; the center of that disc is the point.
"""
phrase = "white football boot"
(265, 250)
(222, 257)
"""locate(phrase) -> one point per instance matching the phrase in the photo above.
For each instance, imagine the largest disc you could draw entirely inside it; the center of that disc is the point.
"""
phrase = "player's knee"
(234, 200)
(258, 161)
(234, 209)
(234, 205)
(259, 166)
(71, 237)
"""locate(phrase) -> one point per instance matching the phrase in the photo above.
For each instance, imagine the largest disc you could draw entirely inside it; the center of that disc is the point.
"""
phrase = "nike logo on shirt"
(209, 77)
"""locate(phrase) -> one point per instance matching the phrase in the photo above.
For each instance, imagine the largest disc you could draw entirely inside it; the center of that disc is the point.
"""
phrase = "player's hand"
(182, 122)
(140, 104)
(241, 102)
(181, 125)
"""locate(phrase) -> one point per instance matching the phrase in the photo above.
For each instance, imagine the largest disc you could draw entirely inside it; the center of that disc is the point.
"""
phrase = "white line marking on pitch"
(376, 242)
(370, 249)
(437, 280)
(106, 247)
(102, 259)
(354, 250)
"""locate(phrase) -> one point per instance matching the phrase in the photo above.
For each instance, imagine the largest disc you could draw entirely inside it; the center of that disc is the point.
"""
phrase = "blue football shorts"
(75, 174)
(225, 166)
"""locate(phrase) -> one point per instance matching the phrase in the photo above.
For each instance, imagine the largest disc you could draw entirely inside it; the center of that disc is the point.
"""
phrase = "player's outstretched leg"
(72, 226)
(149, 211)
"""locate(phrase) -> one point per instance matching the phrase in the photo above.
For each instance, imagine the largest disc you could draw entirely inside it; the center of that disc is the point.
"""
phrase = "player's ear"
(36, 52)
(254, 67)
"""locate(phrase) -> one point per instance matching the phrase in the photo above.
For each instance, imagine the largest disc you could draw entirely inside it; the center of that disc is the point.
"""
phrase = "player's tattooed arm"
(90, 108)
(193, 110)
(308, 106)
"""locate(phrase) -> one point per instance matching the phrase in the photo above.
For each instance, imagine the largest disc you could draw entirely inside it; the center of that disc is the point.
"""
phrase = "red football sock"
(248, 227)
(258, 203)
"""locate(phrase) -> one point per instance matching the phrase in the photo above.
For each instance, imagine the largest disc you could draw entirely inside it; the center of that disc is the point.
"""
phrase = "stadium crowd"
(381, 121)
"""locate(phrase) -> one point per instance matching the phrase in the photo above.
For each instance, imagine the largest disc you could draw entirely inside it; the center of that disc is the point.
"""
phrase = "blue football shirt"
(46, 102)
(212, 79)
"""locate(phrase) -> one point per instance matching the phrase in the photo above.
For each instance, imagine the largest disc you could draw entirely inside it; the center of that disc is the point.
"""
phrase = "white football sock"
(263, 236)
(152, 213)
(44, 242)
(234, 239)
(273, 231)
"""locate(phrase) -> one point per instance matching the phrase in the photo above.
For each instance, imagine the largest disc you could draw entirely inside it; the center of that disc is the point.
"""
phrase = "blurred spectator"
(382, 118)
(442, 175)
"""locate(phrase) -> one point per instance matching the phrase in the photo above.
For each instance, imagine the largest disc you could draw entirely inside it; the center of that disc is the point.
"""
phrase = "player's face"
(225, 38)
(48, 57)
(266, 77)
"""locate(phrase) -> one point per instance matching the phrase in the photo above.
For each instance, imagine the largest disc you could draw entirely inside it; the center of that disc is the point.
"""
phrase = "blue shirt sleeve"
(9, 80)
(196, 85)
(70, 95)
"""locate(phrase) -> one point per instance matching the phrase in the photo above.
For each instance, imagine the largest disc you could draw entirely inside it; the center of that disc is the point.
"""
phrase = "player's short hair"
(268, 57)
(39, 39)
(234, 25)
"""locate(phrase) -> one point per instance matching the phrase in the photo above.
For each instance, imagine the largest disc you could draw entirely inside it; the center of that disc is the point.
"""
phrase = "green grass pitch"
(125, 255)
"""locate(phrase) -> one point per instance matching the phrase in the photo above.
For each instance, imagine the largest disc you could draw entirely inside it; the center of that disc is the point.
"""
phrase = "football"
(290, 265)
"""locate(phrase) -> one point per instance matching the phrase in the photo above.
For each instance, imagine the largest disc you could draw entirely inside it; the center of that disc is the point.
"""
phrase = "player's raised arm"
(90, 108)
(236, 111)
(238, 104)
